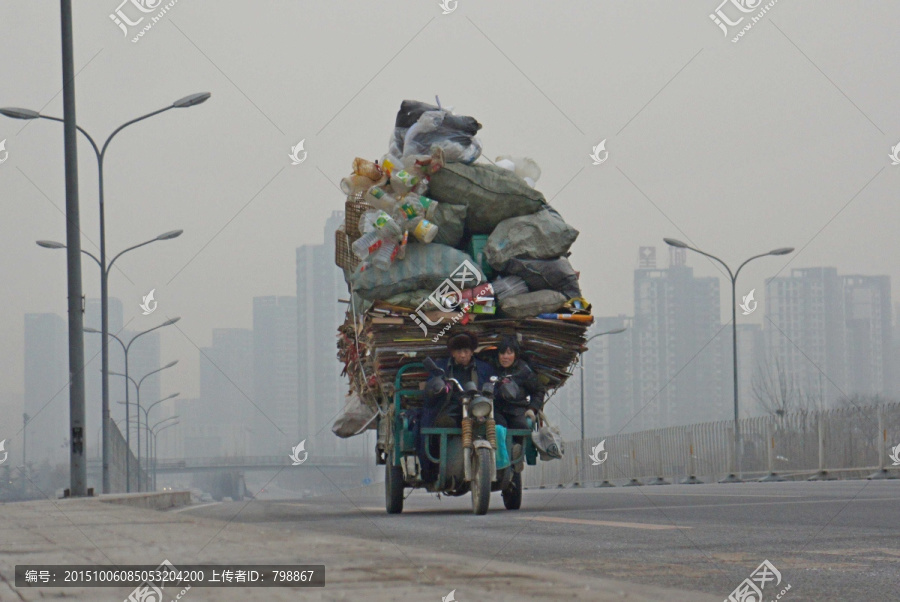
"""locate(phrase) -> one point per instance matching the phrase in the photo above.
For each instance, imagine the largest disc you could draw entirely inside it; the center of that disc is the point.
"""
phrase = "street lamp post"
(155, 434)
(581, 364)
(19, 113)
(737, 460)
(125, 348)
(105, 269)
(137, 384)
(25, 419)
(146, 412)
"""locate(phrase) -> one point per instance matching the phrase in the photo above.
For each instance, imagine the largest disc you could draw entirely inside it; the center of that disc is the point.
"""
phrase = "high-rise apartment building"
(678, 364)
(867, 311)
(831, 334)
(226, 397)
(46, 389)
(275, 375)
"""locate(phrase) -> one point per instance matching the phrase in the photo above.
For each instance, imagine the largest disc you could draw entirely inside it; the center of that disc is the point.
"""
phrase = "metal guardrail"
(254, 461)
(806, 444)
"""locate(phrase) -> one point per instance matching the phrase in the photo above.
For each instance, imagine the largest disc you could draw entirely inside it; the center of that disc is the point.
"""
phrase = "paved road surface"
(837, 540)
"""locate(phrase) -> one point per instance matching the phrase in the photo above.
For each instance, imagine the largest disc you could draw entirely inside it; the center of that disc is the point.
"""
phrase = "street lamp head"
(92, 330)
(169, 235)
(173, 395)
(17, 113)
(675, 243)
(170, 364)
(193, 99)
(782, 251)
(50, 244)
(617, 331)
(170, 322)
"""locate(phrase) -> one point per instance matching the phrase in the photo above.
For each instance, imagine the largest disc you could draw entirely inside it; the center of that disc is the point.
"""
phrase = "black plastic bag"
(542, 274)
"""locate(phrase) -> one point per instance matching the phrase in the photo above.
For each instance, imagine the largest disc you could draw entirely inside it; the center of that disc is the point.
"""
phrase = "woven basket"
(343, 255)
(353, 210)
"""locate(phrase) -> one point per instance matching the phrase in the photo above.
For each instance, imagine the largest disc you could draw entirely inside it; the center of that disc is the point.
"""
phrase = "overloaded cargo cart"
(437, 242)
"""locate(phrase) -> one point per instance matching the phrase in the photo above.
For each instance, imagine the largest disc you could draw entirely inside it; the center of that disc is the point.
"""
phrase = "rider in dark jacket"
(442, 403)
(464, 367)
(510, 411)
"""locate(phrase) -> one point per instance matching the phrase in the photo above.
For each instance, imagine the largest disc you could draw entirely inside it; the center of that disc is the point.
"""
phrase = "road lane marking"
(662, 494)
(405, 510)
(600, 523)
(693, 506)
(197, 507)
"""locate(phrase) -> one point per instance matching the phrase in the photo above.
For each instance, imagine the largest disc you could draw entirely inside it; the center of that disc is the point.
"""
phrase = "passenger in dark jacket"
(511, 411)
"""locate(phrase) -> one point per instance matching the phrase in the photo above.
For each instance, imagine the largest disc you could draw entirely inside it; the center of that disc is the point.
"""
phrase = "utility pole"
(77, 462)
(25, 419)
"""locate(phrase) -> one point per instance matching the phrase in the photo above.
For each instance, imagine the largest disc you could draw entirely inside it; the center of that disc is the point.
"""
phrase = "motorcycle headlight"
(481, 407)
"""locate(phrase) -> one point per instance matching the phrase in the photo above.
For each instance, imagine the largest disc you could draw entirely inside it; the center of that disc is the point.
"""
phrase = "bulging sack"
(531, 304)
(543, 274)
(425, 266)
(492, 194)
(541, 235)
(451, 223)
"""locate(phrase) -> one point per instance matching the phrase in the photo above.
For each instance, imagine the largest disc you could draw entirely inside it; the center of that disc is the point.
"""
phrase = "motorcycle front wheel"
(481, 481)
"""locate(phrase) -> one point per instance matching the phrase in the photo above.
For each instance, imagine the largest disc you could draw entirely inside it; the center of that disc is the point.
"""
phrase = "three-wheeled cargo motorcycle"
(468, 458)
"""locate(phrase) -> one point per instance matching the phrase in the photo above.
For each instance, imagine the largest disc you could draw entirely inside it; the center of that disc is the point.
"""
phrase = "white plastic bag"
(524, 167)
(355, 418)
(548, 440)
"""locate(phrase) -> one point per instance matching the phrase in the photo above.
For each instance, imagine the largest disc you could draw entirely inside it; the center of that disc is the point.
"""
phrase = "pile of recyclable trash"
(434, 242)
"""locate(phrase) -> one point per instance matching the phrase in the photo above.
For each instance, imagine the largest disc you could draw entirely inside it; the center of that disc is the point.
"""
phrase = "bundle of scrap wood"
(375, 345)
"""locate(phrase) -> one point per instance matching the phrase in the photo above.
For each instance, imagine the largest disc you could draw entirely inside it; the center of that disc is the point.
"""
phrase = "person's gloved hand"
(436, 386)
(529, 413)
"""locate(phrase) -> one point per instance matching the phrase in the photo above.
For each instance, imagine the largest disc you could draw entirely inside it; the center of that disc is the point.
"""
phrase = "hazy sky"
(781, 139)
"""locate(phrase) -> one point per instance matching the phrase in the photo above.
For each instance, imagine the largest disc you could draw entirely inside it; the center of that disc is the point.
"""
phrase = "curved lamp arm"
(169, 365)
(140, 334)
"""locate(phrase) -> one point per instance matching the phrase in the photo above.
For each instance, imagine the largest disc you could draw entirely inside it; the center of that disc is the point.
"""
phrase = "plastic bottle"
(384, 256)
(390, 163)
(408, 207)
(388, 228)
(355, 184)
(418, 205)
(367, 244)
(402, 181)
(380, 199)
(380, 222)
(362, 167)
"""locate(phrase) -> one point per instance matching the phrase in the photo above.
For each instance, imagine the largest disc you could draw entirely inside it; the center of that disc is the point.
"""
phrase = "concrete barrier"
(160, 500)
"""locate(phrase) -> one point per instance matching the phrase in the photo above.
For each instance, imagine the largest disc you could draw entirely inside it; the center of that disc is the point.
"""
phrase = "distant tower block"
(676, 256)
(647, 258)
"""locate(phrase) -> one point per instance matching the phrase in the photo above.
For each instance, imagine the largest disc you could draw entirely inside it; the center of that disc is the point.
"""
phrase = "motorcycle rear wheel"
(512, 495)
(393, 488)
